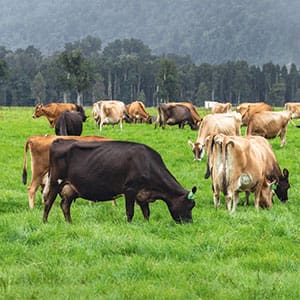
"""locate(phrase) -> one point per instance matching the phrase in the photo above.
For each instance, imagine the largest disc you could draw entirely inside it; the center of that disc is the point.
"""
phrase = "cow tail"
(80, 109)
(158, 120)
(24, 174)
(63, 126)
(225, 181)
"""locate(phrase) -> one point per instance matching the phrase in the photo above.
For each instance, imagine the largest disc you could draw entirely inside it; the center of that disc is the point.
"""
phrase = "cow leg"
(129, 202)
(283, 136)
(68, 195)
(246, 202)
(228, 202)
(49, 198)
(32, 189)
(145, 209)
(216, 199)
(236, 199)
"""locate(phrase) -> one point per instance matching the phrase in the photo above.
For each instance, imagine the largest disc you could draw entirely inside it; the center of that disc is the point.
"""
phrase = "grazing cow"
(137, 112)
(270, 124)
(197, 119)
(69, 123)
(249, 109)
(39, 151)
(173, 115)
(221, 108)
(248, 164)
(228, 124)
(114, 168)
(294, 107)
(53, 110)
(109, 112)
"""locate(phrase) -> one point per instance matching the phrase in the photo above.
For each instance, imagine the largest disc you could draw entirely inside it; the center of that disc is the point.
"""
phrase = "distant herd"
(100, 169)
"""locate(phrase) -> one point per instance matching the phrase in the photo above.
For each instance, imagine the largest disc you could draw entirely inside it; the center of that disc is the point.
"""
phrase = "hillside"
(210, 31)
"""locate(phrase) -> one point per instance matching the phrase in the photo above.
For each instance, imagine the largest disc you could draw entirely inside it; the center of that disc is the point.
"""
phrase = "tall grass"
(247, 255)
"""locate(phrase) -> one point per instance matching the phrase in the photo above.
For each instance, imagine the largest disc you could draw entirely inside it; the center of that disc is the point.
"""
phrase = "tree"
(38, 87)
(167, 80)
(78, 72)
(202, 94)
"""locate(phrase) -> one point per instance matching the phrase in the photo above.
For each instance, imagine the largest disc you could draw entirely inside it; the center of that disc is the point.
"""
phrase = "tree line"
(126, 70)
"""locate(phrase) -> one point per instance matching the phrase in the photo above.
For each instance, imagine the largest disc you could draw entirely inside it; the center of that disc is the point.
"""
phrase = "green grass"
(248, 255)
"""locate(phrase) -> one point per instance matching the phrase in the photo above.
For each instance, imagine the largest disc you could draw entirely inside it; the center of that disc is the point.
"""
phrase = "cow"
(249, 109)
(270, 124)
(221, 108)
(137, 112)
(53, 110)
(246, 164)
(39, 145)
(174, 115)
(109, 112)
(228, 124)
(114, 168)
(294, 107)
(69, 123)
(197, 119)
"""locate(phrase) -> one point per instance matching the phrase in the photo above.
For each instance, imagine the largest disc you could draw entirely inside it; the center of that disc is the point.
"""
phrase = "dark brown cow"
(39, 151)
(53, 110)
(249, 109)
(101, 171)
(270, 124)
(69, 123)
(137, 112)
(197, 119)
(174, 115)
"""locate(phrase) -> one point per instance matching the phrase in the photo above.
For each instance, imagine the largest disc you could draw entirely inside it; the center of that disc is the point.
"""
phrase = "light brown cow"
(221, 108)
(137, 112)
(53, 110)
(243, 164)
(270, 124)
(39, 151)
(197, 119)
(109, 112)
(249, 109)
(294, 107)
(228, 124)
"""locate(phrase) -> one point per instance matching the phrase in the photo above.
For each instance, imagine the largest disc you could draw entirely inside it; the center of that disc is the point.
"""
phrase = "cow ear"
(194, 189)
(191, 144)
(285, 173)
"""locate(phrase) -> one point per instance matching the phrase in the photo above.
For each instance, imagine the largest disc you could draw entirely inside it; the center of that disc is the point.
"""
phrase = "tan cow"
(228, 124)
(294, 107)
(244, 164)
(221, 108)
(270, 124)
(109, 112)
(137, 112)
(53, 110)
(197, 119)
(39, 151)
(249, 109)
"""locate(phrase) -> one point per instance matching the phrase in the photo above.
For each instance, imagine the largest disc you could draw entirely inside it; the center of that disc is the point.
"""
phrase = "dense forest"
(209, 31)
(85, 71)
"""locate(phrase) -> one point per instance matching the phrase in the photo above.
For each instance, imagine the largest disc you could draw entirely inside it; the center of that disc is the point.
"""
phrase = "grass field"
(247, 255)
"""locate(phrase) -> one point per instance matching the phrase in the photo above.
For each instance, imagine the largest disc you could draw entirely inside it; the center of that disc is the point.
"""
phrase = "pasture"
(247, 255)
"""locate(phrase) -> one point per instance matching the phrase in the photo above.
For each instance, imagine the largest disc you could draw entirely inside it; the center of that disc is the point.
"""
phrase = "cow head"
(181, 209)
(198, 150)
(282, 186)
(38, 111)
(266, 195)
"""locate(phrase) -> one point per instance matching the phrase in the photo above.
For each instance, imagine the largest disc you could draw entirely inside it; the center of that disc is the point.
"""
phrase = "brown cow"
(221, 108)
(137, 112)
(39, 150)
(238, 164)
(249, 109)
(294, 107)
(53, 110)
(270, 124)
(228, 124)
(197, 119)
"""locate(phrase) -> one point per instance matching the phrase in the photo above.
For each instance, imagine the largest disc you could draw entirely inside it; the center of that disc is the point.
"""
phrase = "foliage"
(248, 255)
